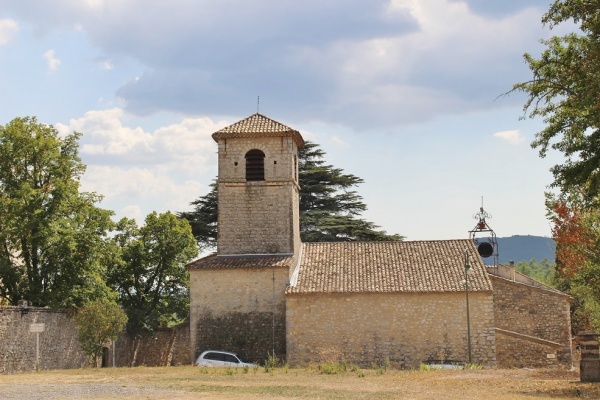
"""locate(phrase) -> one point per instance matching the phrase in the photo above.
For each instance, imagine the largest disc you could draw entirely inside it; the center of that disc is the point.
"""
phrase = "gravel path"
(47, 391)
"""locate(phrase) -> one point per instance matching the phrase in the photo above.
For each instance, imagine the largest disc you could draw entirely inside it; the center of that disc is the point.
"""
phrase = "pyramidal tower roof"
(257, 125)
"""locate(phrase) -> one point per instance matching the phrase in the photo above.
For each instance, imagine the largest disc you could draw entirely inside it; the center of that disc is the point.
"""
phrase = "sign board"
(37, 327)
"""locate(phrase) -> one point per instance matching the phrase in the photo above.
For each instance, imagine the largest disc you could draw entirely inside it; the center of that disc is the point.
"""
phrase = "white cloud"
(134, 192)
(382, 63)
(511, 137)
(139, 171)
(51, 59)
(8, 28)
(186, 146)
(361, 65)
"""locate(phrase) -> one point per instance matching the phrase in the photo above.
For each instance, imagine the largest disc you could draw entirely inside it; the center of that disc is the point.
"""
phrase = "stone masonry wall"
(239, 310)
(535, 312)
(164, 347)
(521, 352)
(256, 218)
(406, 328)
(259, 216)
(59, 346)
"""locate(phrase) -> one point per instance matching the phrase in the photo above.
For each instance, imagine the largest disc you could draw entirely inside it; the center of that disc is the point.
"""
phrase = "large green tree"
(565, 91)
(329, 208)
(52, 237)
(151, 278)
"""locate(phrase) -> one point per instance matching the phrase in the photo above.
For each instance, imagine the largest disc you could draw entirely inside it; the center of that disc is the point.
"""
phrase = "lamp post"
(467, 268)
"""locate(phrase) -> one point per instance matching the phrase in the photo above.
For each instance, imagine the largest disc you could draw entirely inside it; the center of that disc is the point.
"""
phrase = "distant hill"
(524, 248)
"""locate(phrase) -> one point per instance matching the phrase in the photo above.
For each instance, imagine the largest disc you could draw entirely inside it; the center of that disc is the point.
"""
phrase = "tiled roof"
(242, 261)
(411, 266)
(257, 125)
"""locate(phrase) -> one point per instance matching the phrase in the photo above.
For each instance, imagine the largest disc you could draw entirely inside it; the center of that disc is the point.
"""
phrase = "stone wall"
(239, 310)
(259, 216)
(405, 328)
(59, 346)
(522, 351)
(164, 347)
(534, 312)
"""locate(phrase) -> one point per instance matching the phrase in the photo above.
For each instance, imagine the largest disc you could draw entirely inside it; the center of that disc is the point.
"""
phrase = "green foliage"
(338, 367)
(98, 322)
(203, 219)
(330, 368)
(426, 367)
(564, 92)
(52, 239)
(150, 275)
(540, 271)
(576, 231)
(329, 209)
(271, 362)
(473, 366)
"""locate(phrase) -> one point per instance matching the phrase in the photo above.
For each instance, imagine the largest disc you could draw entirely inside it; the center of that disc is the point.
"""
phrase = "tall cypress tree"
(329, 209)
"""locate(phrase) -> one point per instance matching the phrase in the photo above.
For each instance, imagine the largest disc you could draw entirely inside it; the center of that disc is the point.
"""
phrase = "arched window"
(255, 165)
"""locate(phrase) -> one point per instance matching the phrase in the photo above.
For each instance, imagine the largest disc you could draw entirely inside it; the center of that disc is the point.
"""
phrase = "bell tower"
(258, 209)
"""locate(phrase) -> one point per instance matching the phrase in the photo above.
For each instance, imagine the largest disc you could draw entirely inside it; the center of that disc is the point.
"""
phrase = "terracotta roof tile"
(411, 266)
(257, 125)
(242, 261)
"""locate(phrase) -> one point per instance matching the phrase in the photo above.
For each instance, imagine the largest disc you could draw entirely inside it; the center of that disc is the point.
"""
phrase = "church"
(265, 292)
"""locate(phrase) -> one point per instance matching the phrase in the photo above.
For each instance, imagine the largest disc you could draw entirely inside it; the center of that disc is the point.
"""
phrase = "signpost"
(37, 328)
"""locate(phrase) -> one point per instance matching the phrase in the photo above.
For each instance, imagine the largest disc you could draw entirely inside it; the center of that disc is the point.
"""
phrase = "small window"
(255, 165)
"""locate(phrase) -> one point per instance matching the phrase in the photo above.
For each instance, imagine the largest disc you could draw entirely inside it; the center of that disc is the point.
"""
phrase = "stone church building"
(265, 292)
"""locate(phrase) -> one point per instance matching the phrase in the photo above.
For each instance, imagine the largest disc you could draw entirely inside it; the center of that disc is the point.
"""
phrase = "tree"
(52, 237)
(576, 231)
(541, 271)
(564, 91)
(151, 278)
(203, 219)
(329, 210)
(98, 322)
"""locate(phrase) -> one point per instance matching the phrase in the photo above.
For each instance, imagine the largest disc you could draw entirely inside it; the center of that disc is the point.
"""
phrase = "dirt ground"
(282, 383)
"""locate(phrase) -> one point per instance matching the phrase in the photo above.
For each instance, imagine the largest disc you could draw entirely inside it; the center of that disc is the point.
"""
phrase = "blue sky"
(402, 93)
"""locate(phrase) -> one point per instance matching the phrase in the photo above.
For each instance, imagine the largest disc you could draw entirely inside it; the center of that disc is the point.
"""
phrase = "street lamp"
(467, 269)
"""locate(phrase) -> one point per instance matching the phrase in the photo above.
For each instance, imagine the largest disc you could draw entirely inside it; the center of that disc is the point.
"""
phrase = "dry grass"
(282, 383)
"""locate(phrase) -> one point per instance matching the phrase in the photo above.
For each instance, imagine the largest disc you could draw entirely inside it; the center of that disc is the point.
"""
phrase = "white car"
(216, 358)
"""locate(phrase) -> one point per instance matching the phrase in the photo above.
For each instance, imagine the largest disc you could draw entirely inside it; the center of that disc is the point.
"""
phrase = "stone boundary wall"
(164, 347)
(522, 351)
(59, 346)
(535, 312)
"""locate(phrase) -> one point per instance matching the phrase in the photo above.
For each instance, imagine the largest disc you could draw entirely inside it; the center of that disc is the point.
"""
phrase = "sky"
(405, 94)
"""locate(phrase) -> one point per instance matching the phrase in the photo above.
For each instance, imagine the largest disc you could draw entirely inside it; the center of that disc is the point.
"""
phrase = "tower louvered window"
(255, 165)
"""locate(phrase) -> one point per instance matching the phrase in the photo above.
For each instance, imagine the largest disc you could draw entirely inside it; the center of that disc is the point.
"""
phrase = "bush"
(98, 322)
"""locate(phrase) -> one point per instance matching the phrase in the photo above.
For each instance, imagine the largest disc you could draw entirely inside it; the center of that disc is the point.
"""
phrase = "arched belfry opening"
(255, 165)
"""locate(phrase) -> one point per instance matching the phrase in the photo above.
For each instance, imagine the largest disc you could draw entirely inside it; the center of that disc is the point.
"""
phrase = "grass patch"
(349, 383)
